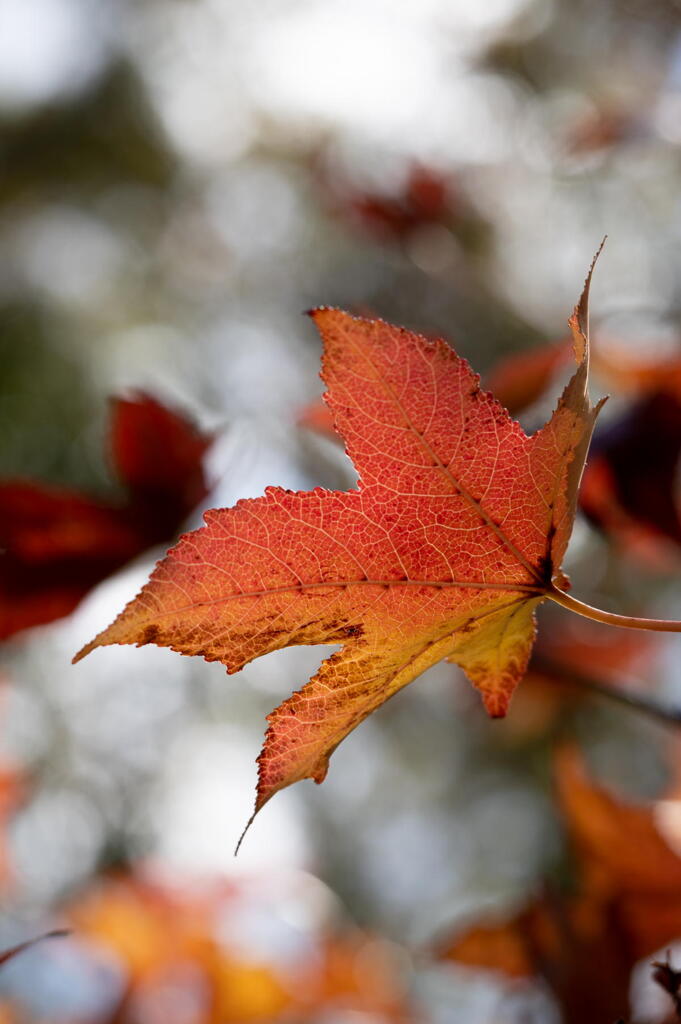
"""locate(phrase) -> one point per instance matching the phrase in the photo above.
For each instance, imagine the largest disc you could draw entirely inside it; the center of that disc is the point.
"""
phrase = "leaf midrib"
(528, 589)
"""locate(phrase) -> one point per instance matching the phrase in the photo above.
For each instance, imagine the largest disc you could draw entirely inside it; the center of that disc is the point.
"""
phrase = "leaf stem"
(625, 621)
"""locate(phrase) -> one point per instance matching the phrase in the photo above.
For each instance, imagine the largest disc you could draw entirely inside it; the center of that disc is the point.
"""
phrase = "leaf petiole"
(611, 618)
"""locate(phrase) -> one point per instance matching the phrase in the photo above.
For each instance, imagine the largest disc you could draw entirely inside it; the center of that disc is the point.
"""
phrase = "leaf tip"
(243, 834)
(262, 797)
(83, 652)
(579, 320)
(496, 704)
(318, 312)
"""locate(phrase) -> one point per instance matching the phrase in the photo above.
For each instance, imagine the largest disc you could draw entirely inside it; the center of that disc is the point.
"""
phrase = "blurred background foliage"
(179, 181)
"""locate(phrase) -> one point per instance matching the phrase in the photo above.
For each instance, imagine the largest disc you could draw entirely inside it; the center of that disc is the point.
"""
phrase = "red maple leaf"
(454, 535)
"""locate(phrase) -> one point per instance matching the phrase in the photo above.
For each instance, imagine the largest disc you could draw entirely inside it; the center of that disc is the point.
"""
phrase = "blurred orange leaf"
(570, 662)
(627, 904)
(632, 375)
(318, 417)
(168, 939)
(522, 378)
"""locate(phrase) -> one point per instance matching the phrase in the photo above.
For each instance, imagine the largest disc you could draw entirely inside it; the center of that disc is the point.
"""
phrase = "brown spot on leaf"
(151, 634)
(351, 631)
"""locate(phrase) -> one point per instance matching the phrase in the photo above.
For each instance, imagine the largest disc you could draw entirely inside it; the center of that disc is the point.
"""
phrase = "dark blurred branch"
(635, 702)
(9, 954)
(670, 980)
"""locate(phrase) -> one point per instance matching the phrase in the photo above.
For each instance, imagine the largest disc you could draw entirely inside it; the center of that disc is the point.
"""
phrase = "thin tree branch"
(670, 716)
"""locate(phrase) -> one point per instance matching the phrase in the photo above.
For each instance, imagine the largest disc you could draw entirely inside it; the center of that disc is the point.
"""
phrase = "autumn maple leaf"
(454, 535)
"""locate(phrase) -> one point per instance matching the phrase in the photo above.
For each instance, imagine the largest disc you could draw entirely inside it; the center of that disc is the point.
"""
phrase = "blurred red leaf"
(602, 128)
(57, 544)
(425, 199)
(158, 455)
(630, 488)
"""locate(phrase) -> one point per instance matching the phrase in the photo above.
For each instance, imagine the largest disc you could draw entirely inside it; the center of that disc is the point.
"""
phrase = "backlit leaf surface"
(456, 529)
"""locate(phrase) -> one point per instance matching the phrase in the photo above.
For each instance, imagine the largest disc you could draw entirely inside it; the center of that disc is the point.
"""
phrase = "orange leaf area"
(12, 794)
(318, 417)
(635, 374)
(626, 905)
(13, 790)
(166, 943)
(57, 544)
(522, 378)
(453, 537)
